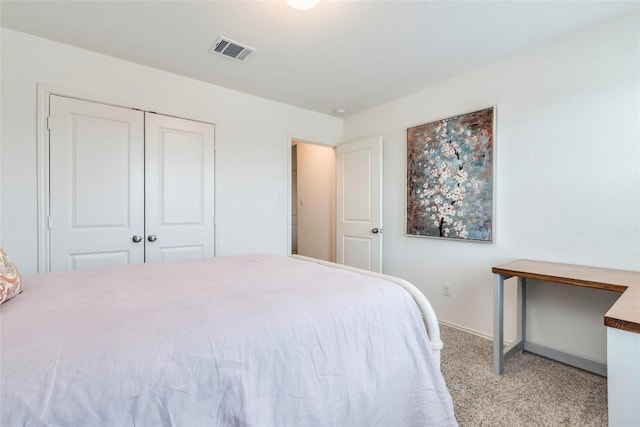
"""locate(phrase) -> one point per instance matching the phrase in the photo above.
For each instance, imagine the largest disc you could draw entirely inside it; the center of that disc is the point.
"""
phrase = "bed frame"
(426, 310)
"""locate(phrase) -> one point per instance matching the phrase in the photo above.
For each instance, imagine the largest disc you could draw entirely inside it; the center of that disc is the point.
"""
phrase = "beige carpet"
(533, 391)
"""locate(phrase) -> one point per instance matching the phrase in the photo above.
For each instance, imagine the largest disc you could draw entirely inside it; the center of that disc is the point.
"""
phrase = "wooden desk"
(624, 315)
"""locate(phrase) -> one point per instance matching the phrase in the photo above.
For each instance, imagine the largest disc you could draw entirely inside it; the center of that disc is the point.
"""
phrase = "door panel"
(357, 252)
(183, 253)
(182, 178)
(90, 261)
(179, 159)
(359, 204)
(357, 176)
(96, 184)
(100, 156)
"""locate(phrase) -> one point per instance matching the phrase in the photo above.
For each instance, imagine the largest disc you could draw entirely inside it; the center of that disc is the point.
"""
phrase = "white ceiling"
(351, 54)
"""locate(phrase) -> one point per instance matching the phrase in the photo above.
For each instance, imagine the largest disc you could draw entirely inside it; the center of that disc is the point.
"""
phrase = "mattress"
(252, 340)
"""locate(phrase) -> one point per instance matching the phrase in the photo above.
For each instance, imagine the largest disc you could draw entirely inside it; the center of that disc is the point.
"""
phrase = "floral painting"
(450, 177)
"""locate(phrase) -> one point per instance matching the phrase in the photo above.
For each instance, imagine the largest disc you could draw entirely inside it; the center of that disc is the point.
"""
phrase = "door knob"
(137, 239)
(152, 238)
(375, 230)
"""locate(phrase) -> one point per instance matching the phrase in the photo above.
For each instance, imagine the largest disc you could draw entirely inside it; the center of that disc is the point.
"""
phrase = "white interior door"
(179, 197)
(359, 204)
(96, 185)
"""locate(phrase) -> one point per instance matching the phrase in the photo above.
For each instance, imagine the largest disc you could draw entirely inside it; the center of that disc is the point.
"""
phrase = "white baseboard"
(468, 330)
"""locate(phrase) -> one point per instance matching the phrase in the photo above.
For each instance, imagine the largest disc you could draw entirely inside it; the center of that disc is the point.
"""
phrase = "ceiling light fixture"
(340, 111)
(303, 4)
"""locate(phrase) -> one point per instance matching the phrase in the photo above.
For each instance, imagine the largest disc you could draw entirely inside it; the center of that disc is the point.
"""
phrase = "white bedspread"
(256, 340)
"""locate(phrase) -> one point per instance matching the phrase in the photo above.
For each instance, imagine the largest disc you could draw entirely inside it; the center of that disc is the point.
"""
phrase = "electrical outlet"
(446, 289)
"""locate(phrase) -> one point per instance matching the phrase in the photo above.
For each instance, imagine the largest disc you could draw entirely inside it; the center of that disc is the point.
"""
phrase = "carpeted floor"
(533, 391)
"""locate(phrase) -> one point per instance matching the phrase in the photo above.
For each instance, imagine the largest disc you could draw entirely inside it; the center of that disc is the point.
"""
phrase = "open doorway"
(313, 172)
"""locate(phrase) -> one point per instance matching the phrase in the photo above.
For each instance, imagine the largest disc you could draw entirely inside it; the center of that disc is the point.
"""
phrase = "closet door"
(96, 185)
(179, 196)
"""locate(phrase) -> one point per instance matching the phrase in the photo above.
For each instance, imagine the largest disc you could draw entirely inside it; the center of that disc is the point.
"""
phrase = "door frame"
(332, 198)
(312, 141)
(44, 91)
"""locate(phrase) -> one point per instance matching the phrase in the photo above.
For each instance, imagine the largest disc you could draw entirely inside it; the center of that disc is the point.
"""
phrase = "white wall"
(316, 171)
(567, 183)
(252, 139)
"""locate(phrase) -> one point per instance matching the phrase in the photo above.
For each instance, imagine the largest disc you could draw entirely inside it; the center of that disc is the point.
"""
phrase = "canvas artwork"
(450, 177)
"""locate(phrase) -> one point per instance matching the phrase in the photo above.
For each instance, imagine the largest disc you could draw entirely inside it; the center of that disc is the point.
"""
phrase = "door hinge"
(49, 222)
(49, 122)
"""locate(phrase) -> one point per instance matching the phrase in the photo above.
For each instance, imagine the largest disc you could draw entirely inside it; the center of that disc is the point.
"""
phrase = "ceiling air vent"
(230, 49)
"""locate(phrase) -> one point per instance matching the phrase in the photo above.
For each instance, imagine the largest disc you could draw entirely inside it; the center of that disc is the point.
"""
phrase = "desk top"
(624, 314)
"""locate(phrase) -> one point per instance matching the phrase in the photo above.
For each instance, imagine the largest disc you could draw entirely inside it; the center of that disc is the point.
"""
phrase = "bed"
(251, 340)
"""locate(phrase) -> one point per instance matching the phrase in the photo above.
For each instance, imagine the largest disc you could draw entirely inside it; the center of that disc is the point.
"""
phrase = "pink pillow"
(10, 284)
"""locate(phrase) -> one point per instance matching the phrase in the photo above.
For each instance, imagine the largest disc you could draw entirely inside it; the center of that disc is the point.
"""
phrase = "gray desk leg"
(522, 314)
(498, 324)
(499, 352)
